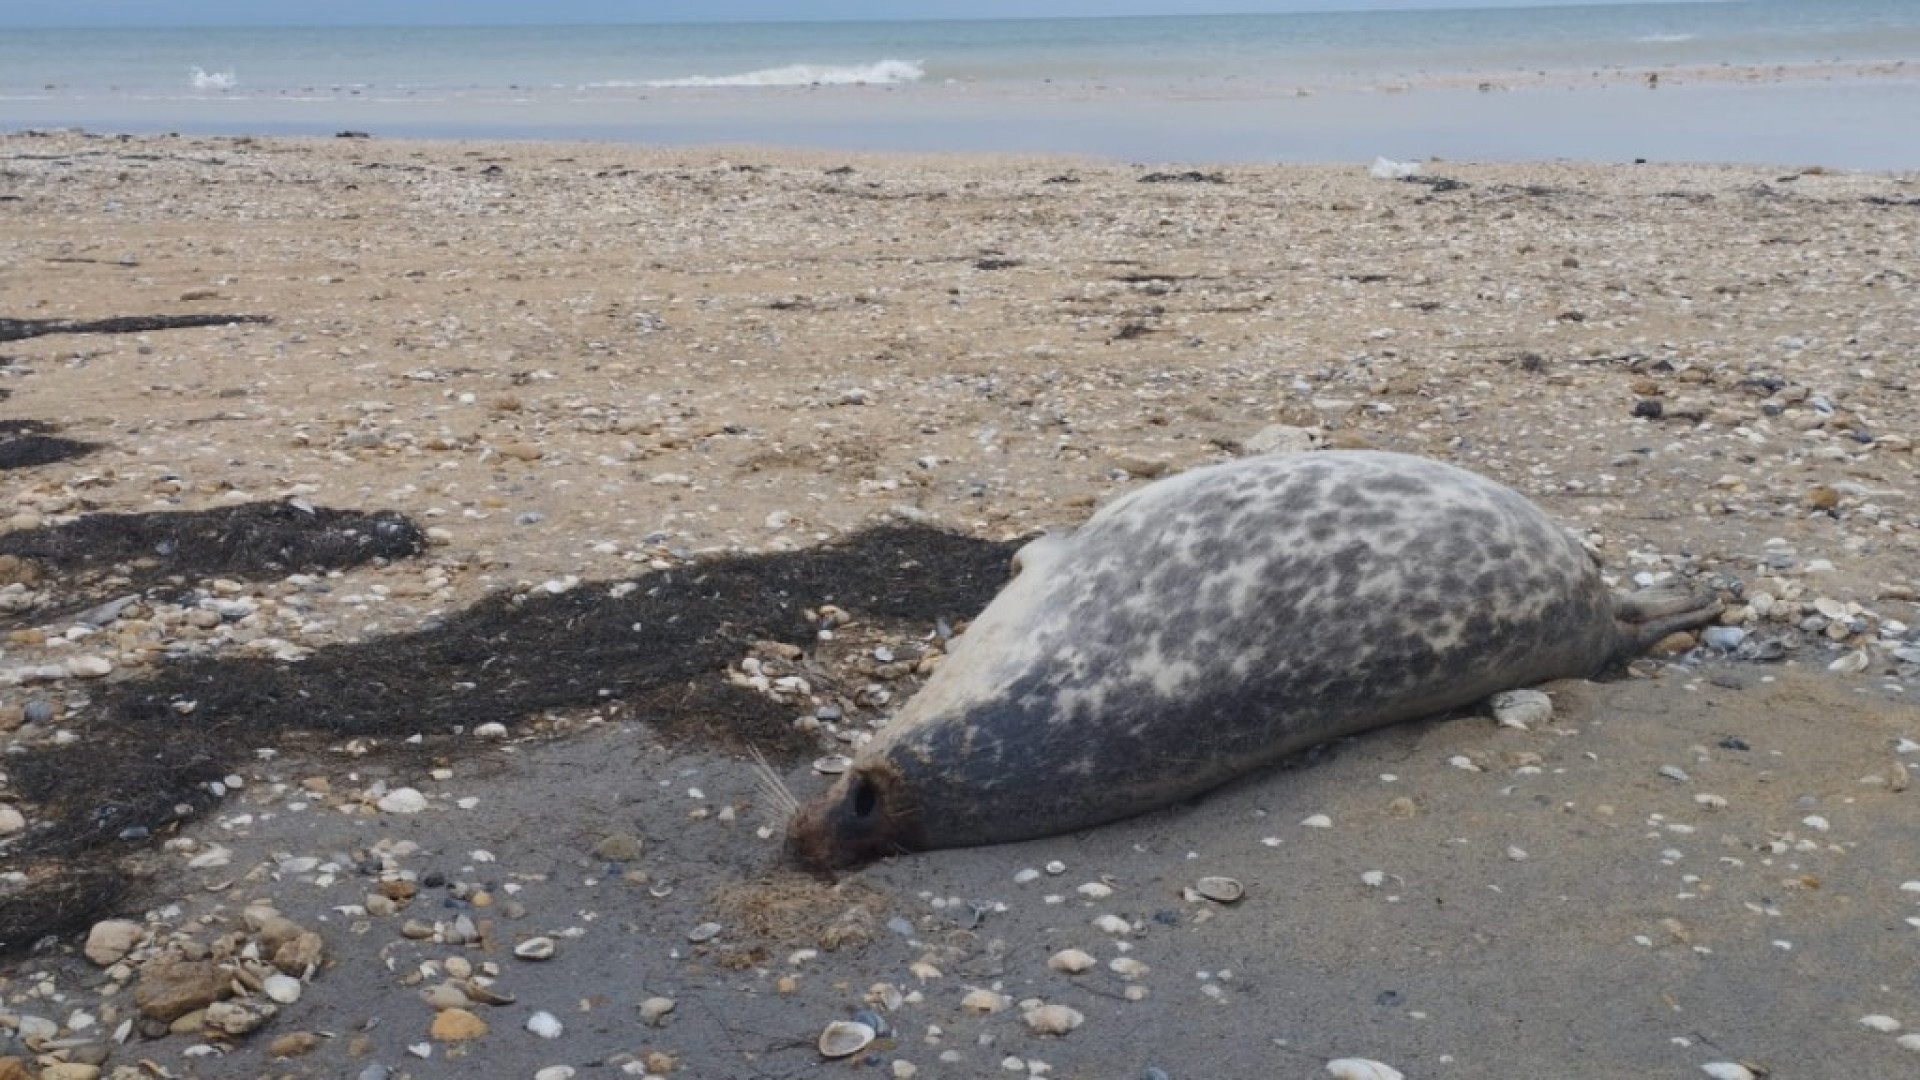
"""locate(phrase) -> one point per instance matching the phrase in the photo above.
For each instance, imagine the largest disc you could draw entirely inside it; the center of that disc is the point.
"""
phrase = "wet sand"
(593, 362)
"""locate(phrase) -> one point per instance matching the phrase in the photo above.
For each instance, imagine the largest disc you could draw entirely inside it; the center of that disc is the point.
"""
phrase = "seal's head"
(868, 814)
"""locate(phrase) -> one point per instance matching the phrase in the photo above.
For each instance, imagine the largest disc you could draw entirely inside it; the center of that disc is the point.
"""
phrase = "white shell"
(544, 1024)
(1070, 961)
(1053, 1019)
(1221, 890)
(1521, 708)
(984, 1001)
(1362, 1069)
(1727, 1070)
(1880, 1023)
(844, 1038)
(833, 766)
(654, 1010)
(284, 989)
(534, 948)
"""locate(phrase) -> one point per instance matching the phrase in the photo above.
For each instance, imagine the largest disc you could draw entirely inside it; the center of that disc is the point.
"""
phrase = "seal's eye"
(865, 798)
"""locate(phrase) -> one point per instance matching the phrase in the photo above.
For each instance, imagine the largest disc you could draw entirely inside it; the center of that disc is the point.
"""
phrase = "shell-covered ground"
(591, 374)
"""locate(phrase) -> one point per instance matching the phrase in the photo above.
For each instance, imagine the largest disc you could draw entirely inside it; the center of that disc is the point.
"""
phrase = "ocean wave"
(203, 79)
(885, 71)
(1665, 39)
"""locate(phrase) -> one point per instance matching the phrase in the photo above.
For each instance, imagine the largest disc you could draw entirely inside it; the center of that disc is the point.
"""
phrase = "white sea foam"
(883, 72)
(1665, 39)
(203, 79)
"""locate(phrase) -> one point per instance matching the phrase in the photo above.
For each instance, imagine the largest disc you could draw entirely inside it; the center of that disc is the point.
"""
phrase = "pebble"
(554, 1072)
(1070, 961)
(11, 820)
(654, 1010)
(282, 988)
(545, 1024)
(1727, 1070)
(984, 1001)
(456, 1025)
(1053, 1019)
(111, 940)
(1521, 709)
(404, 800)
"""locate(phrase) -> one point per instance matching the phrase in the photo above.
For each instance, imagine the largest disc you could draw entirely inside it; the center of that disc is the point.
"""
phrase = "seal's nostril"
(864, 798)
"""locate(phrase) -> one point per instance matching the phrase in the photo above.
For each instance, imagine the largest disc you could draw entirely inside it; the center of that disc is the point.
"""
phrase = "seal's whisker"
(772, 788)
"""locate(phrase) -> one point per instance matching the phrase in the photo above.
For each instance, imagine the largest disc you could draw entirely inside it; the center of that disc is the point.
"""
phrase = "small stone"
(443, 996)
(1053, 1019)
(70, 1070)
(281, 987)
(300, 956)
(403, 800)
(110, 941)
(456, 1025)
(1070, 961)
(11, 819)
(545, 1024)
(1521, 709)
(984, 1001)
(237, 1017)
(554, 1072)
(169, 991)
(654, 1010)
(293, 1044)
(89, 667)
(617, 847)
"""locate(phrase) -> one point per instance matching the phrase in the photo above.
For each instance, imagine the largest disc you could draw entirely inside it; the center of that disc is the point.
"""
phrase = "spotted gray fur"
(1212, 623)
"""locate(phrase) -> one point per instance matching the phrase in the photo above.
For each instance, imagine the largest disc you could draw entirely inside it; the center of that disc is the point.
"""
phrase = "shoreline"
(1835, 115)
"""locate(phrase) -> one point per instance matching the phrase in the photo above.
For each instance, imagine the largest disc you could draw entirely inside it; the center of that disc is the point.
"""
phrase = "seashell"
(844, 1038)
(833, 765)
(1053, 1019)
(654, 1010)
(1727, 1070)
(555, 1072)
(484, 993)
(984, 1001)
(545, 1024)
(1220, 890)
(1362, 1069)
(1878, 1022)
(1521, 708)
(1070, 961)
(534, 948)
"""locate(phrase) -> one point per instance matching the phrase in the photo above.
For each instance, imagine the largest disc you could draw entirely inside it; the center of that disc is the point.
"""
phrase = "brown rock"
(301, 955)
(13, 1068)
(168, 991)
(455, 1025)
(293, 1044)
(1823, 497)
(111, 940)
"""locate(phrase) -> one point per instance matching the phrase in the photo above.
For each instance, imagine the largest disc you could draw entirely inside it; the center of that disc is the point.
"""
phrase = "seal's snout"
(858, 820)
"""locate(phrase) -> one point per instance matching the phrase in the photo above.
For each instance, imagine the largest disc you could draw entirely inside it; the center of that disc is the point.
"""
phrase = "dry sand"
(586, 361)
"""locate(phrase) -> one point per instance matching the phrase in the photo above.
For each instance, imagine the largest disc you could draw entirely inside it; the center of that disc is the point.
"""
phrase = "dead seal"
(1214, 622)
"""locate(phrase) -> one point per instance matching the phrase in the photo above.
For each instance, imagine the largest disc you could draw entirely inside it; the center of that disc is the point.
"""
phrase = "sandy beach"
(586, 370)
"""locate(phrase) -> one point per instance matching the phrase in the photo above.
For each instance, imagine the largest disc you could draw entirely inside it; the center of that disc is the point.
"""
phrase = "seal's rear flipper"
(1644, 616)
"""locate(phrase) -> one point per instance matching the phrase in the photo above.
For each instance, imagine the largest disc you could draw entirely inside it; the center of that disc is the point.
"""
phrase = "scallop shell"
(844, 1038)
(1521, 708)
(1220, 890)
(833, 765)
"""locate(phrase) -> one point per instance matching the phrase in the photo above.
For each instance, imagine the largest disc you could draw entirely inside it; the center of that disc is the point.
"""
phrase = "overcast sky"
(472, 12)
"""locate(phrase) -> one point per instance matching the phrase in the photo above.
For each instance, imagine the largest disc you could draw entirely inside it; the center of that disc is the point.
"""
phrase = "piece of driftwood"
(22, 329)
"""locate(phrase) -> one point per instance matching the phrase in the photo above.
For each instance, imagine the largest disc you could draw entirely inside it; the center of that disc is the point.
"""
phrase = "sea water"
(1785, 81)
